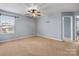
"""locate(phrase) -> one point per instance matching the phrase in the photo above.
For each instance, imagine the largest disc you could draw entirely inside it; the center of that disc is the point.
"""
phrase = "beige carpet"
(36, 46)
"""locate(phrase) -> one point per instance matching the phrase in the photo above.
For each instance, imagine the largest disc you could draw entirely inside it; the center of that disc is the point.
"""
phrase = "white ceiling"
(44, 7)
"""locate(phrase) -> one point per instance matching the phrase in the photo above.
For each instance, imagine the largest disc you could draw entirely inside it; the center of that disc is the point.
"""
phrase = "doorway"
(67, 28)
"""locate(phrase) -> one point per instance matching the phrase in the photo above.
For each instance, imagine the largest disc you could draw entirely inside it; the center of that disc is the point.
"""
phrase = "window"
(7, 24)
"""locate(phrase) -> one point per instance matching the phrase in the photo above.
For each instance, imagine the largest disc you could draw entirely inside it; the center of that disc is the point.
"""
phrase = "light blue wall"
(50, 25)
(24, 26)
(46, 25)
(67, 13)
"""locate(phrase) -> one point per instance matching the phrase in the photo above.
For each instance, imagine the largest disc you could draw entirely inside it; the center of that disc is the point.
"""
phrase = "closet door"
(68, 28)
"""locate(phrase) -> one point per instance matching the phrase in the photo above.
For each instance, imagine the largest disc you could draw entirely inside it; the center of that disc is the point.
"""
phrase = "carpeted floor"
(36, 46)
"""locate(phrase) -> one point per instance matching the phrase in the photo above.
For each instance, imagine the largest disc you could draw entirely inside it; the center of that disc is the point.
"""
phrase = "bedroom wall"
(50, 26)
(24, 26)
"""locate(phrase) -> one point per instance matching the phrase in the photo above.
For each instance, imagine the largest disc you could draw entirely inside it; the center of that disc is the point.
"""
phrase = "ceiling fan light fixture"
(33, 11)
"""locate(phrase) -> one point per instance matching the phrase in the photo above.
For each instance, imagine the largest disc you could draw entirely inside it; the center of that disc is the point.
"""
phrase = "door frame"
(71, 26)
(76, 28)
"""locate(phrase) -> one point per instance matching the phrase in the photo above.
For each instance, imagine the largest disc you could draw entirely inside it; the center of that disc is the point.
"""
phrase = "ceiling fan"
(33, 11)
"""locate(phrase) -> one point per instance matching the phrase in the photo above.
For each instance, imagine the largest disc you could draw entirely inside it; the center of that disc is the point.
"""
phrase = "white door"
(68, 28)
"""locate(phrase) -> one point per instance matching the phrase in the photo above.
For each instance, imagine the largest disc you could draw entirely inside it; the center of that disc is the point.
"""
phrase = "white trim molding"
(18, 38)
(48, 37)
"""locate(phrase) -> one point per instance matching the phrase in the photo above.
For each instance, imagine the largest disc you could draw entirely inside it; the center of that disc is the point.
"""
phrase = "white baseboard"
(17, 38)
(44, 36)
